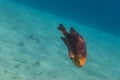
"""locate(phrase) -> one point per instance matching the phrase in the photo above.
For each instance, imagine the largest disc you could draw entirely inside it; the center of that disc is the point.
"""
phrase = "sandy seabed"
(31, 48)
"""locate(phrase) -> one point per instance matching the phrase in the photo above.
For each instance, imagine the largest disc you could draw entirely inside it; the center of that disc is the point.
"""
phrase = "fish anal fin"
(65, 41)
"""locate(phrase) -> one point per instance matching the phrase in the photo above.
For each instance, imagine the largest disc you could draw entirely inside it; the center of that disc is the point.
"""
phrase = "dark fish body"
(75, 44)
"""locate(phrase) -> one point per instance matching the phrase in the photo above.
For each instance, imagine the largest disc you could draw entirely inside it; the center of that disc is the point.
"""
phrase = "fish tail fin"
(62, 29)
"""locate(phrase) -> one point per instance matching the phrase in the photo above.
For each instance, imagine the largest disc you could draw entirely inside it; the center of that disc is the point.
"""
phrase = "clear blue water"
(31, 48)
(101, 14)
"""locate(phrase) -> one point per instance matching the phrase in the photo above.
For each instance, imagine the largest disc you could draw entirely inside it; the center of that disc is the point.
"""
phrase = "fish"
(76, 45)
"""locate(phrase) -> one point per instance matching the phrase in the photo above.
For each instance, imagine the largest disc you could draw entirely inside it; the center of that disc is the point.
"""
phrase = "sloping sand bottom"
(31, 48)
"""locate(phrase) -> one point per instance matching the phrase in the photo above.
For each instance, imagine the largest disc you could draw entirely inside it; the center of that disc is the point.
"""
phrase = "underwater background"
(101, 14)
(30, 44)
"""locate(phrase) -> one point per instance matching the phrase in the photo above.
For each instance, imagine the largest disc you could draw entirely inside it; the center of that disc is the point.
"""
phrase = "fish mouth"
(82, 61)
(79, 62)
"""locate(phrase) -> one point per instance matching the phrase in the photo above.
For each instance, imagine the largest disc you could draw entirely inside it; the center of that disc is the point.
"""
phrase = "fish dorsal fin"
(74, 32)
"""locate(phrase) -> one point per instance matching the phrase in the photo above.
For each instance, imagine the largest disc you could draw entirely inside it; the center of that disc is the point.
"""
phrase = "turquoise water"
(100, 14)
(31, 48)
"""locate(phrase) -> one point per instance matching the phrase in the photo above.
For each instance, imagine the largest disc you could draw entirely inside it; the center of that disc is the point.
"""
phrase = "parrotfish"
(76, 45)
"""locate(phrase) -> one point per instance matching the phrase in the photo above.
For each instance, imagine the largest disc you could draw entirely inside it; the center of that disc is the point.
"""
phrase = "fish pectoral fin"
(71, 54)
(65, 41)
